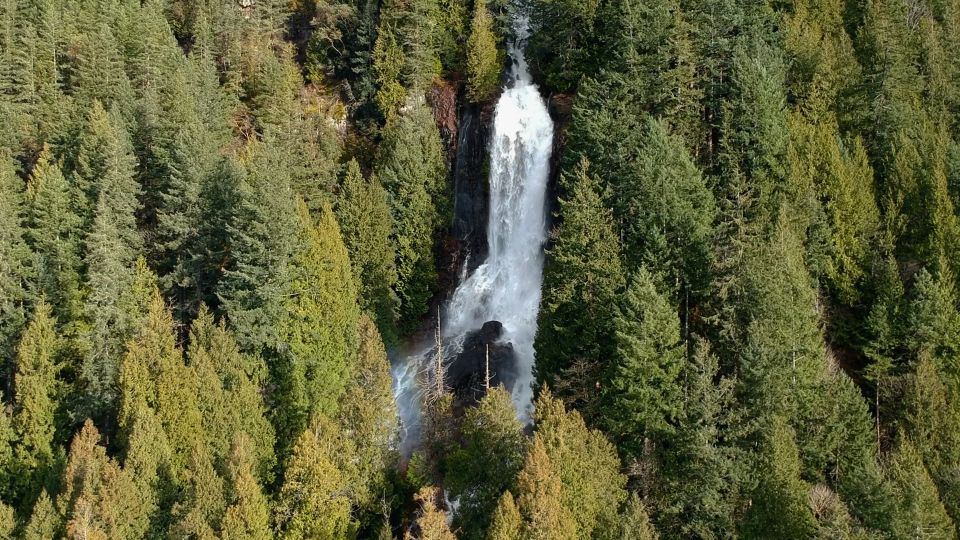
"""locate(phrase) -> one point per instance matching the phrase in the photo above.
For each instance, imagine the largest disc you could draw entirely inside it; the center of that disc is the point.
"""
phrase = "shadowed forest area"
(218, 217)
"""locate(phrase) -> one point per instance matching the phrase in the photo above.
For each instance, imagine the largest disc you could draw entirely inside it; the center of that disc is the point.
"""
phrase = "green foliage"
(312, 501)
(540, 500)
(506, 522)
(263, 237)
(644, 393)
(363, 211)
(779, 502)
(487, 462)
(410, 41)
(247, 516)
(99, 498)
(15, 271)
(561, 31)
(412, 168)
(484, 61)
(634, 522)
(55, 236)
(368, 415)
(581, 281)
(106, 176)
(37, 400)
(431, 520)
(700, 468)
(319, 325)
(230, 393)
(201, 505)
(45, 522)
(923, 514)
(586, 463)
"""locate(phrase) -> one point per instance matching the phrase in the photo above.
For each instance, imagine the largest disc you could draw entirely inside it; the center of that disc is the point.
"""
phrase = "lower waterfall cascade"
(506, 286)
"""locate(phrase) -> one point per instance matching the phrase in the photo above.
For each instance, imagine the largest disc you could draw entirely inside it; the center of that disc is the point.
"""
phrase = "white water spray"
(506, 287)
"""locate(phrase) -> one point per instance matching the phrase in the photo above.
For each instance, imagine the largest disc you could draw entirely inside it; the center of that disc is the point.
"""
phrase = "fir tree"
(581, 281)
(15, 271)
(586, 463)
(699, 478)
(634, 522)
(541, 498)
(779, 503)
(262, 235)
(320, 326)
(55, 235)
(487, 462)
(105, 173)
(201, 505)
(506, 522)
(368, 414)
(483, 59)
(644, 393)
(363, 212)
(37, 396)
(312, 501)
(45, 521)
(247, 516)
(922, 512)
(412, 168)
(99, 498)
(230, 394)
(431, 523)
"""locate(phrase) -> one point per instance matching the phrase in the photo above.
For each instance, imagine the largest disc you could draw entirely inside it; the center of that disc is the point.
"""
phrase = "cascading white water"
(506, 287)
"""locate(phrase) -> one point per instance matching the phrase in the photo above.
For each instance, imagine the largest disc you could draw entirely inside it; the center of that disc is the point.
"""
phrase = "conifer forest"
(480, 269)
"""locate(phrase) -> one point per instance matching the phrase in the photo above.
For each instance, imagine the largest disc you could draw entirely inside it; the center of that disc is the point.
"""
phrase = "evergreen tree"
(153, 375)
(319, 328)
(45, 522)
(247, 516)
(363, 211)
(634, 522)
(230, 393)
(586, 463)
(105, 174)
(262, 235)
(487, 462)
(644, 392)
(484, 61)
(37, 396)
(312, 501)
(412, 168)
(54, 233)
(699, 476)
(581, 281)
(406, 55)
(541, 498)
(96, 66)
(506, 522)
(201, 505)
(15, 271)
(431, 523)
(923, 514)
(368, 415)
(779, 503)
(839, 175)
(99, 498)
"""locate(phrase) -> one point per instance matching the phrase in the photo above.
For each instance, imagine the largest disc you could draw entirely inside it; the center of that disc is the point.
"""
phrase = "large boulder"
(466, 373)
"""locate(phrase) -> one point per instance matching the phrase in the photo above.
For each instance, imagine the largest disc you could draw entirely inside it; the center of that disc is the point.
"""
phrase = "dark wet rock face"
(466, 373)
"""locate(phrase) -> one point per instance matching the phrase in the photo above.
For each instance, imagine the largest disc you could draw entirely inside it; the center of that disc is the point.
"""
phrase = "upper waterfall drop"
(506, 286)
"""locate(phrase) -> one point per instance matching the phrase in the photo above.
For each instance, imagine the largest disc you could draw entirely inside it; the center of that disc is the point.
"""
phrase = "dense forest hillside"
(221, 219)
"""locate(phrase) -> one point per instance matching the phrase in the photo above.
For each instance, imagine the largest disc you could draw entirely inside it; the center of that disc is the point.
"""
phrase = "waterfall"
(506, 286)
